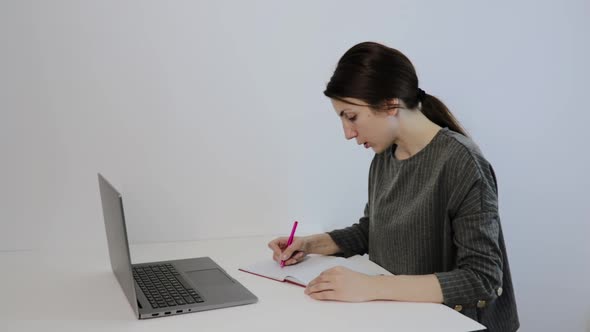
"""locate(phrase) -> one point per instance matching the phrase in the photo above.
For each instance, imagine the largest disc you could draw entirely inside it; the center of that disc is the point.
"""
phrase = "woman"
(432, 214)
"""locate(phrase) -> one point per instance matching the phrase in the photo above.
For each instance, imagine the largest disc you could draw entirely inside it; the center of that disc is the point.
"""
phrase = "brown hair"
(375, 74)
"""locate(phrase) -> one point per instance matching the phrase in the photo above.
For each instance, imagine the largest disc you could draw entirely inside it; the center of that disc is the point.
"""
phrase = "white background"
(209, 117)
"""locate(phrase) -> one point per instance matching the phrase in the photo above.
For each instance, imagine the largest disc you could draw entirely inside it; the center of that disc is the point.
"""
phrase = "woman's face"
(374, 130)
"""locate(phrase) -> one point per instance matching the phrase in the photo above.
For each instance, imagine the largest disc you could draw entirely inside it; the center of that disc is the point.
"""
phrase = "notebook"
(312, 265)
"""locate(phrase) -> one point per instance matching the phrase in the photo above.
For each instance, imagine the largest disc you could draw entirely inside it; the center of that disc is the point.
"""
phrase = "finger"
(328, 295)
(296, 258)
(277, 245)
(292, 260)
(276, 256)
(278, 242)
(287, 253)
(274, 246)
(319, 287)
(299, 255)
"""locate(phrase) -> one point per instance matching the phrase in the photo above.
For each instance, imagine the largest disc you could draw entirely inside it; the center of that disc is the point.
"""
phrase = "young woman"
(432, 213)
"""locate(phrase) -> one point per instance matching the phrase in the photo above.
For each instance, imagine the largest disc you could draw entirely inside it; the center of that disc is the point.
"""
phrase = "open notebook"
(304, 272)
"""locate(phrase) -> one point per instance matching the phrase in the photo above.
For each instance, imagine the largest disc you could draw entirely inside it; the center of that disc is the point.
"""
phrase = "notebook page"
(311, 267)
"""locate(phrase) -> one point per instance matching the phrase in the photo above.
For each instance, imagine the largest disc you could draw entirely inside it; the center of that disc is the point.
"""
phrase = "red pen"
(290, 240)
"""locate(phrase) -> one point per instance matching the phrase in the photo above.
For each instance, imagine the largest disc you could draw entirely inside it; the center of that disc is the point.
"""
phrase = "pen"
(290, 240)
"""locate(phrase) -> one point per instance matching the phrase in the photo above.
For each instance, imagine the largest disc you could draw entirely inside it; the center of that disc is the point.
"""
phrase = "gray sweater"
(437, 213)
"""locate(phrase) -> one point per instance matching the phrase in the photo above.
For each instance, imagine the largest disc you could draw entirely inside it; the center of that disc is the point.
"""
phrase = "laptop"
(165, 288)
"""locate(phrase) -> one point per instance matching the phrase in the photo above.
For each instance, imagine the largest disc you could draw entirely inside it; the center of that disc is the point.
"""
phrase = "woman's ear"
(393, 106)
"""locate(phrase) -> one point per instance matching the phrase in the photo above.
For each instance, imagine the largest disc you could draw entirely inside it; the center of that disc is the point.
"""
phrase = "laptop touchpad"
(212, 277)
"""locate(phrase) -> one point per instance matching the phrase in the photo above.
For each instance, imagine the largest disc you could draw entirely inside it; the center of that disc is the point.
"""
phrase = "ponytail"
(436, 111)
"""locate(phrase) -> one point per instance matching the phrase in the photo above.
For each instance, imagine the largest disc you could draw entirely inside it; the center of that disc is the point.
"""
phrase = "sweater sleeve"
(353, 240)
(477, 273)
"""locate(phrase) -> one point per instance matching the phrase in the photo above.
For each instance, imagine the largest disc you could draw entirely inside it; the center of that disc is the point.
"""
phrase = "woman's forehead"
(351, 104)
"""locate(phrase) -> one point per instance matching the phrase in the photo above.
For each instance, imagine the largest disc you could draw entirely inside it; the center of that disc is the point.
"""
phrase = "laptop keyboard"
(164, 287)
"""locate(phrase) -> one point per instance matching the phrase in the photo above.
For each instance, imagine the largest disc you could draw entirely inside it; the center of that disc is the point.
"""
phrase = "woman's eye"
(352, 118)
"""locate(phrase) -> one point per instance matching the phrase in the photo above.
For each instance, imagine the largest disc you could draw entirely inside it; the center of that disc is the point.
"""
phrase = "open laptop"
(169, 287)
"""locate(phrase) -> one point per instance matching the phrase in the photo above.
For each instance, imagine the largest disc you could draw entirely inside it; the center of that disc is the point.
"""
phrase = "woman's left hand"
(342, 284)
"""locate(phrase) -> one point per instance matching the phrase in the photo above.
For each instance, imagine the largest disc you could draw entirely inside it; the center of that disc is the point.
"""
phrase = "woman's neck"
(415, 132)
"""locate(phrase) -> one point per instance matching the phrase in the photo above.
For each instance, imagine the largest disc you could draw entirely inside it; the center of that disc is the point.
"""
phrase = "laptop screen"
(114, 221)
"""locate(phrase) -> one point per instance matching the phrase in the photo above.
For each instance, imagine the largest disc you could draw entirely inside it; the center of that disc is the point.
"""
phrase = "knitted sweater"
(437, 213)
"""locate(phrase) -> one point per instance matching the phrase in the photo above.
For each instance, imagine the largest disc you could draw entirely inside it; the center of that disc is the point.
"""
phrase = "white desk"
(76, 291)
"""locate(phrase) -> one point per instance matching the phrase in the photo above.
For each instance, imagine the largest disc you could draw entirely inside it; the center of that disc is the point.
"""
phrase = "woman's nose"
(349, 132)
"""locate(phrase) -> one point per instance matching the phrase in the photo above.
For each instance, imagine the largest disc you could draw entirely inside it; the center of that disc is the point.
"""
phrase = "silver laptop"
(170, 287)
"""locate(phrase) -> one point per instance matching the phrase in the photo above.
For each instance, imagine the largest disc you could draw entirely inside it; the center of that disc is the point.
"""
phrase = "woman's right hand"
(292, 254)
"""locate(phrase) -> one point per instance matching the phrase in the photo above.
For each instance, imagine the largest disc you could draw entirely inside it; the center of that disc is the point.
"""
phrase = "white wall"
(209, 117)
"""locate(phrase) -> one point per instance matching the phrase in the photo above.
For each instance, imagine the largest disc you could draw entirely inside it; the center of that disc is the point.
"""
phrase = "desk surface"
(76, 291)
